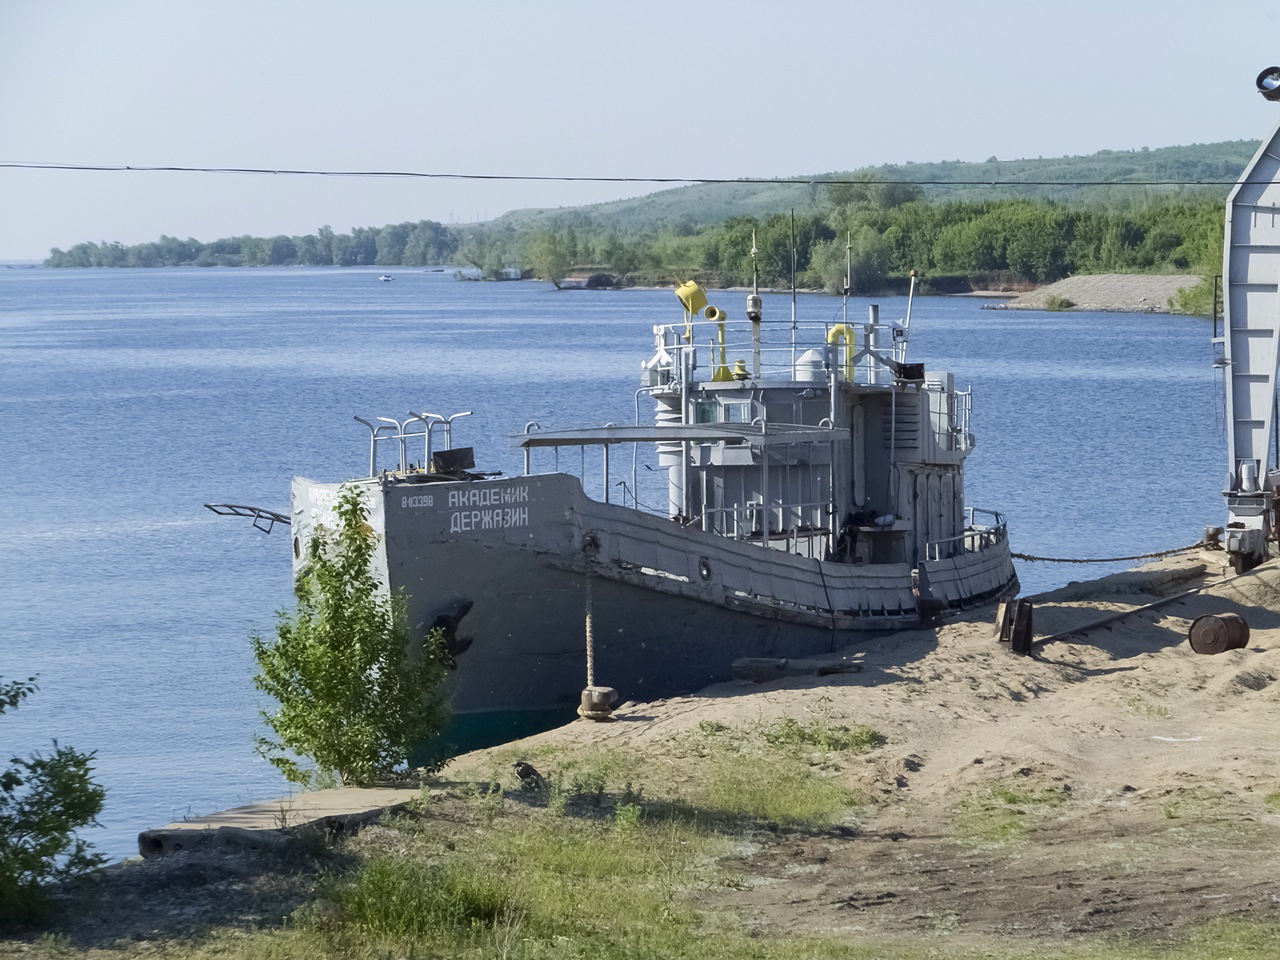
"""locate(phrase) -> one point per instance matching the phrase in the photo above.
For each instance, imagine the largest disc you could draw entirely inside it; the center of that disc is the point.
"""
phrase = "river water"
(129, 398)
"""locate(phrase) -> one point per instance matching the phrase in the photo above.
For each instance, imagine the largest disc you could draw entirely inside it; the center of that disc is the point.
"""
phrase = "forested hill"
(1146, 211)
(1118, 173)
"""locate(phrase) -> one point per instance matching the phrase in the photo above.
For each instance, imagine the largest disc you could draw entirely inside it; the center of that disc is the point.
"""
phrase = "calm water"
(131, 397)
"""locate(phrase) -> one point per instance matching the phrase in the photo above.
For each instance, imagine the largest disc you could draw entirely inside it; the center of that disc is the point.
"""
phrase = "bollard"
(597, 703)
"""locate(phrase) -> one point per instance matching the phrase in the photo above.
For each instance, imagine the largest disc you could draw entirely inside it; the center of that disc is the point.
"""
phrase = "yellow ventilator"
(842, 331)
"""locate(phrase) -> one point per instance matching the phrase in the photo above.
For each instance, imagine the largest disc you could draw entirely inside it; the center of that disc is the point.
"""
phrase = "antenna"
(793, 293)
(848, 273)
(754, 311)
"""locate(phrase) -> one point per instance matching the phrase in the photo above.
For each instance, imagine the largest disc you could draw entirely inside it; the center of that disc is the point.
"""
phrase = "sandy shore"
(1127, 293)
(1163, 767)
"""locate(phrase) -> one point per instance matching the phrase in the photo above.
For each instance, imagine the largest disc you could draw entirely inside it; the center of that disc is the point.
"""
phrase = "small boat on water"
(386, 277)
(814, 493)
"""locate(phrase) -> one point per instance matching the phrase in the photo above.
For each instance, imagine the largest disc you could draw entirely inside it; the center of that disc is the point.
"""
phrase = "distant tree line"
(869, 239)
(397, 244)
(866, 236)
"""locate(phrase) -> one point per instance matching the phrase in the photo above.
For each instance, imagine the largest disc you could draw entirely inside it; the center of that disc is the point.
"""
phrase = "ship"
(814, 487)
(814, 497)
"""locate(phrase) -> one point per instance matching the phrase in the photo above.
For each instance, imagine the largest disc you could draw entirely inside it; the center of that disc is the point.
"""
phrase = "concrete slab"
(271, 823)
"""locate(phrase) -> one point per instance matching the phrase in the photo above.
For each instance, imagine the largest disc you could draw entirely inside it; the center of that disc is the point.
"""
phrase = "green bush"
(43, 802)
(355, 692)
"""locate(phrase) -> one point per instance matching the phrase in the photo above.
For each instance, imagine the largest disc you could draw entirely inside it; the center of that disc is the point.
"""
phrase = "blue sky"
(572, 89)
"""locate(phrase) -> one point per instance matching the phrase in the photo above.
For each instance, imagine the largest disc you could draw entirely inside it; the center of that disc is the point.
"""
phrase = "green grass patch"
(783, 772)
(1272, 800)
(403, 897)
(770, 789)
(1055, 302)
(529, 885)
(1145, 708)
(822, 734)
(1003, 813)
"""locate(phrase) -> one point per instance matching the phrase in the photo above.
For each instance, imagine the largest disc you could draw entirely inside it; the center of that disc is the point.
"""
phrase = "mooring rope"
(1138, 556)
(591, 640)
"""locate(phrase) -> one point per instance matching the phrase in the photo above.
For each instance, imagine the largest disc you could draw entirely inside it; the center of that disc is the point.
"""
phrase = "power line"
(420, 175)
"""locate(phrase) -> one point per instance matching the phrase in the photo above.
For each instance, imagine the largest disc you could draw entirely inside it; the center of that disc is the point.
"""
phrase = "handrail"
(743, 523)
(529, 427)
(392, 429)
(887, 337)
(376, 433)
(399, 435)
(973, 539)
(426, 419)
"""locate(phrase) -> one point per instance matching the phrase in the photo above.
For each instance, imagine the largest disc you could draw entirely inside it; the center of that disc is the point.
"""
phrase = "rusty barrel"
(1218, 632)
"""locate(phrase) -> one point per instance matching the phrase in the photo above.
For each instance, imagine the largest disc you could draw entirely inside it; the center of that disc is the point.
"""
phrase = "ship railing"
(797, 528)
(417, 426)
(778, 358)
(975, 538)
(950, 411)
(964, 411)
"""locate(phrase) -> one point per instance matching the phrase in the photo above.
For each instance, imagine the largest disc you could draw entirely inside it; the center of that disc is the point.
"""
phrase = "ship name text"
(499, 518)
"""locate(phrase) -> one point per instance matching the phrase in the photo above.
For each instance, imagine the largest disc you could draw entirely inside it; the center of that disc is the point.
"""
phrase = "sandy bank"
(1126, 293)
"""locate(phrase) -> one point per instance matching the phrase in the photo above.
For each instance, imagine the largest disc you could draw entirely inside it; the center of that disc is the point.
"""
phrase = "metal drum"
(1218, 632)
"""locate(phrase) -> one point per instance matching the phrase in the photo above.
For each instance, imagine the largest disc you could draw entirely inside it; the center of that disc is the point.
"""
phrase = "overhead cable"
(421, 175)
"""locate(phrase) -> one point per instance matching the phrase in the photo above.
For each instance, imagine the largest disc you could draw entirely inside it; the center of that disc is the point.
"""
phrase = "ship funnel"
(1269, 83)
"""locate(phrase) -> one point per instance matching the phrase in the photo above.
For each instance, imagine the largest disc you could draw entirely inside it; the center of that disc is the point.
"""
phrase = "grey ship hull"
(673, 606)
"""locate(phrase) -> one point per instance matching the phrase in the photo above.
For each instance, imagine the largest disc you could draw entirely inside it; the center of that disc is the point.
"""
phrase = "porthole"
(704, 568)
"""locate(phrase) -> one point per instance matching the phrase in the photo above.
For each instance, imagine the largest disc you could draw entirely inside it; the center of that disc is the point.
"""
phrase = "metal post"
(529, 428)
(399, 435)
(606, 471)
(793, 294)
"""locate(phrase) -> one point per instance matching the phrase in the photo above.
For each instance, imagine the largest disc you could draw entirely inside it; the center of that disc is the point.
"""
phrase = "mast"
(754, 312)
(793, 294)
(1250, 341)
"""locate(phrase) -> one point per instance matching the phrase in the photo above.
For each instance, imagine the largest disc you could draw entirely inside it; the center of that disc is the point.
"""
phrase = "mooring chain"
(1139, 556)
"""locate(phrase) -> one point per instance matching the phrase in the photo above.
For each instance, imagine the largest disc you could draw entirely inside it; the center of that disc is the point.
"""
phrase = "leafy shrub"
(1056, 302)
(355, 693)
(1200, 299)
(43, 802)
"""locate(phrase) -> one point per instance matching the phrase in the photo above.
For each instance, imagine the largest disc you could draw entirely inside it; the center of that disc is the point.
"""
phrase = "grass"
(783, 772)
(1055, 302)
(1003, 813)
(1272, 800)
(1145, 708)
(599, 865)
(822, 734)
(1201, 804)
